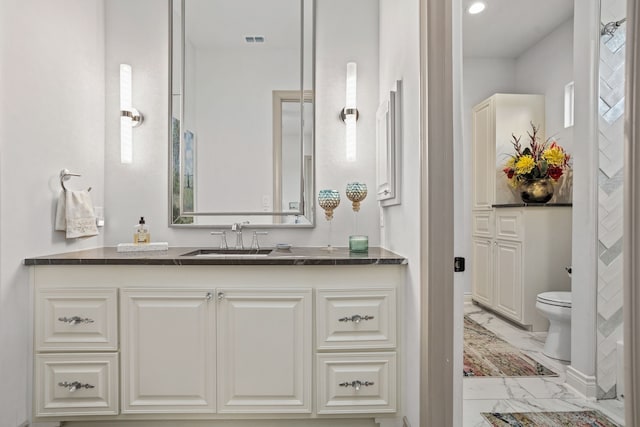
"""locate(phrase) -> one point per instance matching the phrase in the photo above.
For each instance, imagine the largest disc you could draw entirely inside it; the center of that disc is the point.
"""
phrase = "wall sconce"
(129, 116)
(349, 113)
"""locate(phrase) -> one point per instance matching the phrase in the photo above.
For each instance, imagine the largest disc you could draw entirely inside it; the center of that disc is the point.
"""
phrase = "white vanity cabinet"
(76, 359)
(220, 342)
(170, 354)
(357, 328)
(523, 253)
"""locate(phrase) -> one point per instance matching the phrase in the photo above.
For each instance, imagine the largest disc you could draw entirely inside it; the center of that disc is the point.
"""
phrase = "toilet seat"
(558, 299)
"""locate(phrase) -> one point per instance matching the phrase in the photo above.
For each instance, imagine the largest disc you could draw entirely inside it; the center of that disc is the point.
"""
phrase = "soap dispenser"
(142, 234)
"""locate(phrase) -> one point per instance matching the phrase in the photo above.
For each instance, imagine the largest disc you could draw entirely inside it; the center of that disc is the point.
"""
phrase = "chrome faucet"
(237, 227)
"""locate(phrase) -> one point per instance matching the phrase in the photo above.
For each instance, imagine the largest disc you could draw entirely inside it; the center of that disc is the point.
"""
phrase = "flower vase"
(329, 200)
(536, 190)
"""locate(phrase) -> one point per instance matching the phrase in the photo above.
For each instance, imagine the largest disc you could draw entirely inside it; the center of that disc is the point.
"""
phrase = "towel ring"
(65, 175)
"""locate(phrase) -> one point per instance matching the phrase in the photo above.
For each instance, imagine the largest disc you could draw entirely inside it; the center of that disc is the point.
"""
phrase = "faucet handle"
(223, 238)
(254, 242)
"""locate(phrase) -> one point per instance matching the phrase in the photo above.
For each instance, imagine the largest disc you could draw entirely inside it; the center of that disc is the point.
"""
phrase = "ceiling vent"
(254, 39)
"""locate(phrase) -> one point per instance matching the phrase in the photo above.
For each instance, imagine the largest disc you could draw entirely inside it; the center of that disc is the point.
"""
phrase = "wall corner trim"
(584, 385)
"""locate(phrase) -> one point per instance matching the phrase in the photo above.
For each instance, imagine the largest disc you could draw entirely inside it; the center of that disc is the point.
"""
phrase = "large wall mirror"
(242, 113)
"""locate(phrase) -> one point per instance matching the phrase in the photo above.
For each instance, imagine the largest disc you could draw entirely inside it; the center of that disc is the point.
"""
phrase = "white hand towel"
(75, 214)
(61, 220)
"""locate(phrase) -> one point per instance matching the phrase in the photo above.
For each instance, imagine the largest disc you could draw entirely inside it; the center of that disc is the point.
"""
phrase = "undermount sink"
(229, 252)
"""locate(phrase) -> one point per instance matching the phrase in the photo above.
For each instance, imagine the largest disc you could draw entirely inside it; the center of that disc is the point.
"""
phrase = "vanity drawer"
(356, 383)
(483, 223)
(509, 225)
(356, 319)
(76, 320)
(76, 384)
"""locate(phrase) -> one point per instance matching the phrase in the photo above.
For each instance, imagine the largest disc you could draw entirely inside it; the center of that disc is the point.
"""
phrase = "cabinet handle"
(356, 318)
(209, 296)
(357, 384)
(220, 296)
(73, 386)
(75, 320)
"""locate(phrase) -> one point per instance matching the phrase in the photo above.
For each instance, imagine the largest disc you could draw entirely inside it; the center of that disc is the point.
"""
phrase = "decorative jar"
(536, 190)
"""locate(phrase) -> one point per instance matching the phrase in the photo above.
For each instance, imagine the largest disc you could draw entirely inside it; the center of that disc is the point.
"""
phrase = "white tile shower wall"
(142, 187)
(610, 216)
(51, 117)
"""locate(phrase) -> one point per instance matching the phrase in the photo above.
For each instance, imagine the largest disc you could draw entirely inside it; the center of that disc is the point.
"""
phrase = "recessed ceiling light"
(476, 7)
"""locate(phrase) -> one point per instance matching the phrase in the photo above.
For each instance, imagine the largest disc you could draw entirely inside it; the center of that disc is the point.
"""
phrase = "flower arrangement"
(537, 161)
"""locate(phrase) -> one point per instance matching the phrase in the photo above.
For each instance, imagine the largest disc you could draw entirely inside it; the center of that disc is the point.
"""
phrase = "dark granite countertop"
(174, 256)
(532, 205)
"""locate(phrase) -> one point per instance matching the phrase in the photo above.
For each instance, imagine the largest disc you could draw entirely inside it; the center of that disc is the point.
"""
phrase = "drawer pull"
(356, 318)
(356, 384)
(75, 320)
(73, 386)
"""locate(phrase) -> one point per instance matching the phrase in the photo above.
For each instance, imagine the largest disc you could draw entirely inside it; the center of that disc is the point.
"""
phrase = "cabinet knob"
(209, 296)
(75, 320)
(356, 318)
(73, 386)
(220, 296)
(357, 384)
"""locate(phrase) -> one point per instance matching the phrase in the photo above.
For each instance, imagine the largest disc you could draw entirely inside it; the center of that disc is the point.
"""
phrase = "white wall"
(545, 69)
(141, 189)
(584, 278)
(51, 117)
(399, 60)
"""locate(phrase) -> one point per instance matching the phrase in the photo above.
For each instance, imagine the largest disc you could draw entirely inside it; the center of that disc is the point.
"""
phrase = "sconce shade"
(129, 116)
(352, 84)
(350, 112)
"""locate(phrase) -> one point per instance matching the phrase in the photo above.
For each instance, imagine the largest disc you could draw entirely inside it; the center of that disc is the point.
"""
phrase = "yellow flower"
(525, 164)
(554, 156)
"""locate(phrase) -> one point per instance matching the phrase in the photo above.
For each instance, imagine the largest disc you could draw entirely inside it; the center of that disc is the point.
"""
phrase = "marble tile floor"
(523, 394)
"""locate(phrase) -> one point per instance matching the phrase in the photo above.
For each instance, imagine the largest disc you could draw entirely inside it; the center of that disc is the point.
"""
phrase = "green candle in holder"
(357, 192)
(359, 243)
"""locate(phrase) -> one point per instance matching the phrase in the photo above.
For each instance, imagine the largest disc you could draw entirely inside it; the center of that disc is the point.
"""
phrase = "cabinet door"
(481, 275)
(264, 359)
(483, 154)
(508, 279)
(168, 351)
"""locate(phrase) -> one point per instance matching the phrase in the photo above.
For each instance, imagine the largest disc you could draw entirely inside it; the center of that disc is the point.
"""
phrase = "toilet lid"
(562, 299)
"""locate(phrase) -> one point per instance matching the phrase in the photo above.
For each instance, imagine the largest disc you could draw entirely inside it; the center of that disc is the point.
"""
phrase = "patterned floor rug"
(549, 419)
(486, 355)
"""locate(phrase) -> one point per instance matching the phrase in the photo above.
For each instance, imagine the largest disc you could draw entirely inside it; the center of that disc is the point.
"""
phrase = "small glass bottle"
(142, 234)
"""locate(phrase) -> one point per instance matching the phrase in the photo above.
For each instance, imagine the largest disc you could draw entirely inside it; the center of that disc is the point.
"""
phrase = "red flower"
(509, 172)
(555, 172)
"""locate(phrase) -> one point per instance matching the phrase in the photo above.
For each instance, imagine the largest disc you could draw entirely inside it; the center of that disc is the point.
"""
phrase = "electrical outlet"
(381, 219)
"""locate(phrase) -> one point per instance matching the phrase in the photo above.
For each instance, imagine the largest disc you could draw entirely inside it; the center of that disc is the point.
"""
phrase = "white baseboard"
(584, 385)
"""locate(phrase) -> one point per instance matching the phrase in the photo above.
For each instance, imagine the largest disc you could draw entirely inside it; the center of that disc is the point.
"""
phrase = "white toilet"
(556, 306)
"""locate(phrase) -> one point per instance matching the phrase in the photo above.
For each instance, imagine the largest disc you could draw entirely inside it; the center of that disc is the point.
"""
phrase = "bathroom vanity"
(301, 334)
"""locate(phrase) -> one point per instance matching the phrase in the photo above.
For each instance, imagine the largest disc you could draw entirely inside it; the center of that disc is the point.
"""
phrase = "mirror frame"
(305, 96)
